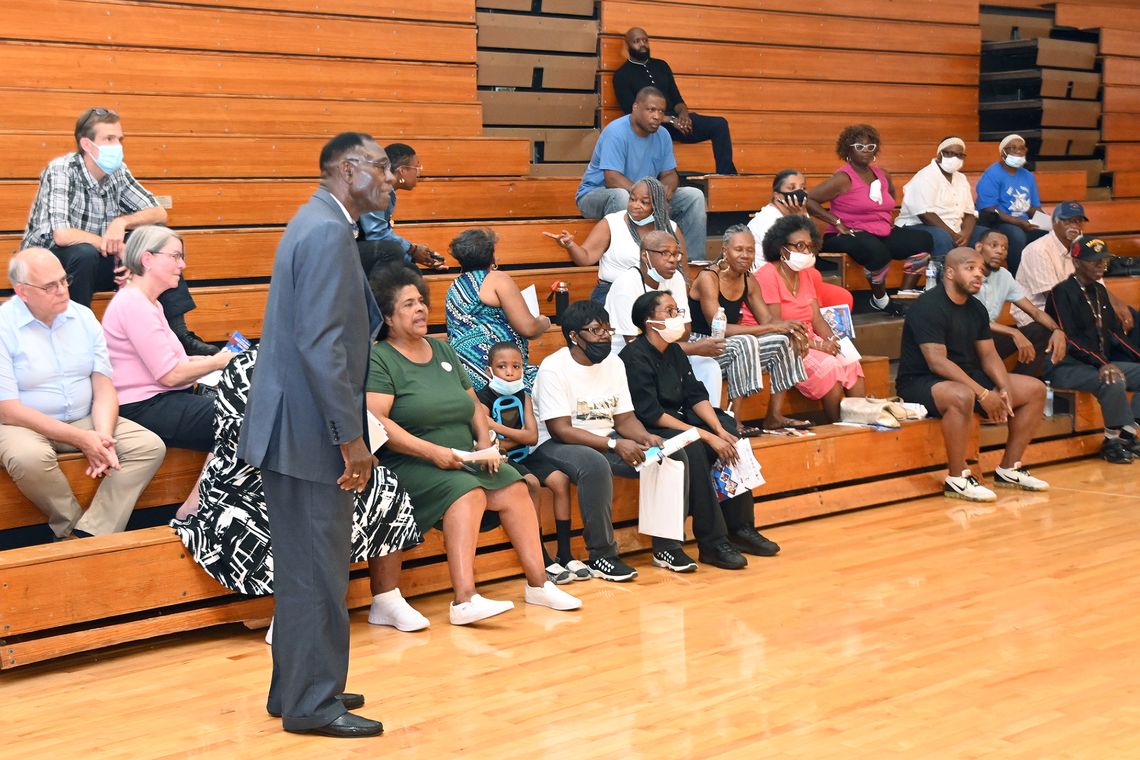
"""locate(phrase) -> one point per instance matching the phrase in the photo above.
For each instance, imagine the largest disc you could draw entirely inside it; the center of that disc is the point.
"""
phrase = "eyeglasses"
(864, 147)
(666, 254)
(801, 247)
(599, 332)
(675, 312)
(53, 287)
(180, 256)
(418, 168)
(380, 164)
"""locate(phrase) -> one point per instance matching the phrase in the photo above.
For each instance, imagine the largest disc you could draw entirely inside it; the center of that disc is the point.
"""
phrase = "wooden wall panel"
(949, 12)
(131, 71)
(1121, 99)
(1118, 42)
(778, 28)
(1121, 71)
(452, 11)
(176, 27)
(1092, 16)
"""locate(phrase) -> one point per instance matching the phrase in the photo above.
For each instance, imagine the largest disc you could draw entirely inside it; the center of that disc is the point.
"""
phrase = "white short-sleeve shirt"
(590, 395)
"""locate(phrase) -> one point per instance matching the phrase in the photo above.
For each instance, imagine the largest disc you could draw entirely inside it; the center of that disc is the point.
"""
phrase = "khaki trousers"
(31, 461)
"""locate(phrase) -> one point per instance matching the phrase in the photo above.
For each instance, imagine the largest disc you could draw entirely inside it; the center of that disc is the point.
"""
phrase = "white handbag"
(661, 507)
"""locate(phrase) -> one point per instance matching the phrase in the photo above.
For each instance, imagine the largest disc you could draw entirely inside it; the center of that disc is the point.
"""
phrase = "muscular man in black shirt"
(949, 365)
(682, 124)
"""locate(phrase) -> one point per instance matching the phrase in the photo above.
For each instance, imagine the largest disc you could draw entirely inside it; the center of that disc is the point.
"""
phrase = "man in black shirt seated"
(682, 124)
(1100, 359)
(949, 365)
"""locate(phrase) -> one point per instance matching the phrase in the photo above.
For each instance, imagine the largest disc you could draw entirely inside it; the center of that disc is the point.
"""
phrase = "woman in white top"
(614, 243)
(789, 196)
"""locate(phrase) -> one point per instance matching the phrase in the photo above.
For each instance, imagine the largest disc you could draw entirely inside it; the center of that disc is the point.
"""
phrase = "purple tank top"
(856, 208)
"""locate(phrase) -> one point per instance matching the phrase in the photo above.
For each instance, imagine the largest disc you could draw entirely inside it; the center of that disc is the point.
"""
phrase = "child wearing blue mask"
(512, 419)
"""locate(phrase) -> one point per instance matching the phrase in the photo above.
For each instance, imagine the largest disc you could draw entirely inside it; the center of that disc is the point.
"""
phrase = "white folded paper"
(377, 435)
(672, 446)
(491, 454)
(530, 295)
(212, 379)
(1042, 221)
(848, 351)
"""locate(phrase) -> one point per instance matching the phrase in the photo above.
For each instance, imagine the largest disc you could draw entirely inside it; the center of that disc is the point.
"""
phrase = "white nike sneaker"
(390, 608)
(966, 487)
(1018, 477)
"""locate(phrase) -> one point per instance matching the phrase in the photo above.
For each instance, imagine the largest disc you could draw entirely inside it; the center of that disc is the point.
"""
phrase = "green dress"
(431, 403)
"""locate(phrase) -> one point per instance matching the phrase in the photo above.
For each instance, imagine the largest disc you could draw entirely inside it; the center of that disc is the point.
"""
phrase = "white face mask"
(798, 262)
(674, 328)
(950, 164)
(1015, 162)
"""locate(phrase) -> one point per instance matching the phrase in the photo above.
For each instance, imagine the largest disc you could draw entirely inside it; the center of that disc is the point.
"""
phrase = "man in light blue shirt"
(56, 396)
(631, 148)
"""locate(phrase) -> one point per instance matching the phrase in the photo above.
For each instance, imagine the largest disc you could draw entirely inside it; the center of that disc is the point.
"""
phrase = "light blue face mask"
(655, 275)
(110, 158)
(506, 387)
(641, 222)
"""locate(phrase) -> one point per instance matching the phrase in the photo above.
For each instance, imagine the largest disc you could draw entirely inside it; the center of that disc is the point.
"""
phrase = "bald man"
(684, 126)
(949, 365)
(56, 396)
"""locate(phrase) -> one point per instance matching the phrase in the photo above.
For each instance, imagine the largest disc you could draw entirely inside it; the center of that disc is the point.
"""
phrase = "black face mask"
(796, 196)
(596, 353)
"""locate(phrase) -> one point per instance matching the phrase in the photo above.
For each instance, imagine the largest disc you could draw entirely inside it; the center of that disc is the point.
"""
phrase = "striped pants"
(746, 357)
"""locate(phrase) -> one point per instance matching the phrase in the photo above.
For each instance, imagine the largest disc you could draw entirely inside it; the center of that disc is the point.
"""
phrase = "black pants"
(713, 128)
(1038, 335)
(182, 419)
(94, 272)
(873, 252)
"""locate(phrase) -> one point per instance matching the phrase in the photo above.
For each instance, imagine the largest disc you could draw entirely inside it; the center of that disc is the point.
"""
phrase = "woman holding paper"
(789, 293)
(485, 306)
(439, 444)
(667, 398)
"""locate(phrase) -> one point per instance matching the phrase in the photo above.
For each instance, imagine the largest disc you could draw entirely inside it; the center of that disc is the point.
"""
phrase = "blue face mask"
(506, 387)
(655, 275)
(110, 158)
(642, 222)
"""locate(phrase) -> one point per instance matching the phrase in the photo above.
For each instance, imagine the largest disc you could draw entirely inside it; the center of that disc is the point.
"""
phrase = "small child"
(512, 419)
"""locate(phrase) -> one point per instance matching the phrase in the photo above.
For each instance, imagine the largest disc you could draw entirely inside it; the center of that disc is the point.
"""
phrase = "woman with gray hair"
(615, 242)
(153, 375)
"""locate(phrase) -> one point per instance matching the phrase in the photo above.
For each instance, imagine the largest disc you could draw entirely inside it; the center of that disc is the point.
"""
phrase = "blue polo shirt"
(619, 149)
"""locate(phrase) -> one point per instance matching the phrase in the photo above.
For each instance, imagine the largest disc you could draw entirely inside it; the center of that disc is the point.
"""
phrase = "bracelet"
(985, 392)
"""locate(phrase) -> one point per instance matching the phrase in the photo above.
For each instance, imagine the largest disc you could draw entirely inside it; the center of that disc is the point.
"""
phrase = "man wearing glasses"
(86, 204)
(56, 396)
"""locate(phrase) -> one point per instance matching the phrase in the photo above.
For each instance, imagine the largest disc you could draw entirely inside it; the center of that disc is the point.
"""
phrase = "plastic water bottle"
(1048, 399)
(719, 324)
(931, 274)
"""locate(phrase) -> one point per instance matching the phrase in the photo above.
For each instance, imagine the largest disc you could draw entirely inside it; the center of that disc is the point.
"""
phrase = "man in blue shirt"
(56, 396)
(631, 148)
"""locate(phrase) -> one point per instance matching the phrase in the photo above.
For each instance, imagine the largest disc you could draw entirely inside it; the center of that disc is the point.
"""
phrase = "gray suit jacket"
(307, 393)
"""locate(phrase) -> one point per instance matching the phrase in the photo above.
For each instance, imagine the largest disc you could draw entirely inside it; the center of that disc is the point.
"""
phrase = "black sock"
(562, 532)
(547, 560)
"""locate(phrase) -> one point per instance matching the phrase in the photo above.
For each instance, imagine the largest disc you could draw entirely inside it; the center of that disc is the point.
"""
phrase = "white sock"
(390, 596)
(1111, 434)
(880, 302)
(1130, 429)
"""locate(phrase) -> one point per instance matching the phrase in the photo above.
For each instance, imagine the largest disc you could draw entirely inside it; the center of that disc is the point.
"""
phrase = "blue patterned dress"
(473, 327)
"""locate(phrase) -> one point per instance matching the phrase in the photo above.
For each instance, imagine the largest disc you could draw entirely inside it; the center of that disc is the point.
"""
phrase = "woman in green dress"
(419, 391)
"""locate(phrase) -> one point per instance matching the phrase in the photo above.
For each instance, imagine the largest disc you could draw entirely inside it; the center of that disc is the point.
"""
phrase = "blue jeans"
(687, 209)
(943, 243)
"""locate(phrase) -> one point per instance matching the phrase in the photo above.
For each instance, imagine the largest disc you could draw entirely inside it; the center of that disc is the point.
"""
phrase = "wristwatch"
(611, 443)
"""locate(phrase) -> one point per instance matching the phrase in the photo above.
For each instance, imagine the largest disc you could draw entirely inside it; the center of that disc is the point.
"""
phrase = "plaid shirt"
(69, 196)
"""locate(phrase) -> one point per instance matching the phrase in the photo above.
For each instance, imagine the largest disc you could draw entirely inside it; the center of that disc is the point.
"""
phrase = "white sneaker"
(966, 487)
(476, 609)
(557, 574)
(1018, 477)
(269, 633)
(549, 595)
(390, 608)
(578, 570)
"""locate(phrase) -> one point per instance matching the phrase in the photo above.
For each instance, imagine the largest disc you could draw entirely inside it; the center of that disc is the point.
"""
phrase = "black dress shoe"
(349, 700)
(347, 726)
(749, 541)
(724, 556)
(194, 345)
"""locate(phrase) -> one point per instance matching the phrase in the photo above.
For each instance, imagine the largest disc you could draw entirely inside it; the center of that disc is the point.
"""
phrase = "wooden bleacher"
(225, 105)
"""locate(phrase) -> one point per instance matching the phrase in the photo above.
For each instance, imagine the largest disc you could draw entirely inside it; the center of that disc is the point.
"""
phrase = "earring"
(400, 181)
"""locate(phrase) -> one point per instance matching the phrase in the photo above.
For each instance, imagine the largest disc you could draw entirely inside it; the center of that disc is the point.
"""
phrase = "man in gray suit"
(304, 427)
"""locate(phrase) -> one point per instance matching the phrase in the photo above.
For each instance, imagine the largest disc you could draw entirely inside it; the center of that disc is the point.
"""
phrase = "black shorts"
(917, 390)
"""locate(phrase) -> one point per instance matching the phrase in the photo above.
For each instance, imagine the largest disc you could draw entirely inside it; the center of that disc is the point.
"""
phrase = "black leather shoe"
(349, 700)
(1114, 451)
(749, 541)
(194, 345)
(723, 556)
(347, 726)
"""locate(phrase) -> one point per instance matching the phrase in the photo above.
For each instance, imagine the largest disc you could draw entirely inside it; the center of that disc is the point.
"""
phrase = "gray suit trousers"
(310, 526)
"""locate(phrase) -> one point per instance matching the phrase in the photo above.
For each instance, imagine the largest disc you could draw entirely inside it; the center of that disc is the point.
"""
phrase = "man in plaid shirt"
(86, 203)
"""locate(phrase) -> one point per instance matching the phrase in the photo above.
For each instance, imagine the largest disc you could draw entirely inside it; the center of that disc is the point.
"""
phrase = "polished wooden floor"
(931, 629)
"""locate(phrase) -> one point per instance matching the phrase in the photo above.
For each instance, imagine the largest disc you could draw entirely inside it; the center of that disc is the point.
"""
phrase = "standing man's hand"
(358, 464)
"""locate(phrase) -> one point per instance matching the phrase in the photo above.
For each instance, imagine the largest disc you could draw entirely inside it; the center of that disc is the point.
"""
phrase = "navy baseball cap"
(1089, 249)
(1069, 210)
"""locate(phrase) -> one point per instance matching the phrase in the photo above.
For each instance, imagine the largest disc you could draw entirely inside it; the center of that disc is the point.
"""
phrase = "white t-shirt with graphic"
(590, 395)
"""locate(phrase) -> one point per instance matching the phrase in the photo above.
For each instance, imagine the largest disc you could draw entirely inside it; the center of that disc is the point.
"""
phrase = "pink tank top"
(856, 208)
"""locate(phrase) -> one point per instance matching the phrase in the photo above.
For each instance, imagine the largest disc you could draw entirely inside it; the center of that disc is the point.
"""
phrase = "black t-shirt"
(631, 77)
(511, 415)
(934, 318)
(660, 382)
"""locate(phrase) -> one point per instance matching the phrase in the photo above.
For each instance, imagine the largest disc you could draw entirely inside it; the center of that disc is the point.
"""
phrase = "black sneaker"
(611, 569)
(724, 556)
(749, 541)
(892, 308)
(1114, 451)
(1131, 443)
(675, 560)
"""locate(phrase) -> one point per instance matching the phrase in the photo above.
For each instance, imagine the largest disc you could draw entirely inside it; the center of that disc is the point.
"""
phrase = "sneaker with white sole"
(557, 574)
(966, 487)
(549, 595)
(477, 608)
(675, 560)
(611, 569)
(390, 608)
(578, 570)
(1018, 477)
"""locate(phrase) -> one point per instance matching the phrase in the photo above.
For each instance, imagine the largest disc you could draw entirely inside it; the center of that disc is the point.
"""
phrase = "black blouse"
(661, 382)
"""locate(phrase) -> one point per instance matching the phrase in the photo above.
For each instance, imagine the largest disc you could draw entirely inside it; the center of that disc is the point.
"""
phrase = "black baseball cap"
(1088, 248)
